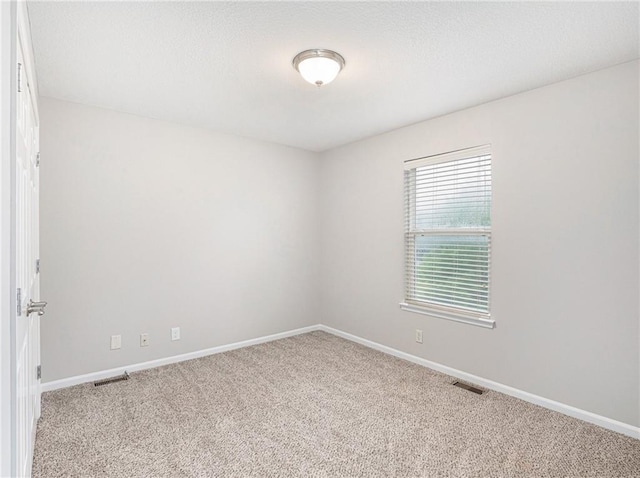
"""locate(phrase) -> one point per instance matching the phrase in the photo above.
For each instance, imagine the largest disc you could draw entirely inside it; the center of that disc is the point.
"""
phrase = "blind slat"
(464, 296)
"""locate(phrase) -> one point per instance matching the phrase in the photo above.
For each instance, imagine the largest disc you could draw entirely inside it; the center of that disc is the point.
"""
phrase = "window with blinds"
(448, 235)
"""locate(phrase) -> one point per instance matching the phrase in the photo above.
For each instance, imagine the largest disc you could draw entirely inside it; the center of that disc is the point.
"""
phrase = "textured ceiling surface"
(227, 65)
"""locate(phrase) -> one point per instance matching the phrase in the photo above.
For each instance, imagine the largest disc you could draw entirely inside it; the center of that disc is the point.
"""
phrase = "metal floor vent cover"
(466, 386)
(107, 381)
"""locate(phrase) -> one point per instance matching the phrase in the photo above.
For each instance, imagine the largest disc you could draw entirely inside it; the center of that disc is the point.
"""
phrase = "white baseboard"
(92, 377)
(599, 420)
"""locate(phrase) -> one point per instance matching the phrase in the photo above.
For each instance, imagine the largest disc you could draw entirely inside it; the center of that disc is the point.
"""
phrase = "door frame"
(8, 89)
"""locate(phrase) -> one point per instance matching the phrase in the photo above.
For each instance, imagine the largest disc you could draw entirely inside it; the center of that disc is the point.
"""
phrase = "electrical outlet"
(144, 340)
(116, 342)
(175, 333)
(419, 336)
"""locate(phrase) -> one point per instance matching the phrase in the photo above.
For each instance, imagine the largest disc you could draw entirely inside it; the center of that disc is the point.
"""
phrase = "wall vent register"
(107, 381)
(468, 387)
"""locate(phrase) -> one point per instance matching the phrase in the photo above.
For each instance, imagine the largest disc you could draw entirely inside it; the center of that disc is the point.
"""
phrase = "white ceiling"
(227, 65)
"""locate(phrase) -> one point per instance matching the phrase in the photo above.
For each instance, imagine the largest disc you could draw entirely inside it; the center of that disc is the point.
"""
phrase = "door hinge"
(19, 77)
(19, 301)
(38, 160)
(37, 266)
(39, 372)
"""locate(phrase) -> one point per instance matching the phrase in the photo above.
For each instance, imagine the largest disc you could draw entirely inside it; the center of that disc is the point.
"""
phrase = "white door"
(27, 322)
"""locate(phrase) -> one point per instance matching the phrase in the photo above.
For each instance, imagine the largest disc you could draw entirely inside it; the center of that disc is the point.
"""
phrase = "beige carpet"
(313, 405)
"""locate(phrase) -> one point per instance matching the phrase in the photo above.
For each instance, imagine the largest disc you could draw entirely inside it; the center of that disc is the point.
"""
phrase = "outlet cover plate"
(144, 340)
(175, 333)
(116, 342)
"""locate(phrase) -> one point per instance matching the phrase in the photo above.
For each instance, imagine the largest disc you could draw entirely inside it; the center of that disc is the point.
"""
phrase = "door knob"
(36, 307)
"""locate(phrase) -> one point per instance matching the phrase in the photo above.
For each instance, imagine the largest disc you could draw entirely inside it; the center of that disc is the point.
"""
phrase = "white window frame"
(411, 232)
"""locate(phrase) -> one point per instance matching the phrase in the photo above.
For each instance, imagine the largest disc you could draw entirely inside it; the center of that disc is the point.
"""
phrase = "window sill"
(441, 314)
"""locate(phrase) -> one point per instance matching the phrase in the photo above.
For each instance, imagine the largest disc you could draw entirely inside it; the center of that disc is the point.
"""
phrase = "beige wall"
(564, 287)
(147, 225)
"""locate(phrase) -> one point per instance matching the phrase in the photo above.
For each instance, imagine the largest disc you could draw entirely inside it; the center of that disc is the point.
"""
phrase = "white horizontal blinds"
(448, 231)
(450, 271)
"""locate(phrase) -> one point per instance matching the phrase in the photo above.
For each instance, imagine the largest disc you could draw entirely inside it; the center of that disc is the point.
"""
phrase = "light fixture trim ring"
(318, 53)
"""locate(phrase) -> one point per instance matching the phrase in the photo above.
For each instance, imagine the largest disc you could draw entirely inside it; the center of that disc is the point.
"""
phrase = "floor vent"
(107, 381)
(466, 386)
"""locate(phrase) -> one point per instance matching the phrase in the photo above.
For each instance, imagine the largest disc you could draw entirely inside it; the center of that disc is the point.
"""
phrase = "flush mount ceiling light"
(319, 67)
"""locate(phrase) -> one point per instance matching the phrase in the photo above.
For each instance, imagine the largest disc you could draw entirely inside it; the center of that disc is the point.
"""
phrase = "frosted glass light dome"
(318, 67)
